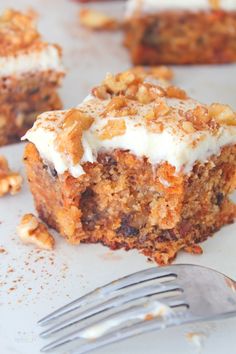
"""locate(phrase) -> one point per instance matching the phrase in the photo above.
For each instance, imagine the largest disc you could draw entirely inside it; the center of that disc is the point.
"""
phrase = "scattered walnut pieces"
(30, 230)
(69, 140)
(223, 114)
(132, 84)
(119, 107)
(188, 127)
(10, 182)
(97, 20)
(113, 128)
(17, 31)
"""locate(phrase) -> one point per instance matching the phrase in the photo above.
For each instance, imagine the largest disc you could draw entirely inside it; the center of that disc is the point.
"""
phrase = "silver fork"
(130, 307)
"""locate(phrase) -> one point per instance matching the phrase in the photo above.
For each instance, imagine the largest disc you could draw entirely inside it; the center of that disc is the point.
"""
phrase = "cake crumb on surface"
(96, 20)
(31, 230)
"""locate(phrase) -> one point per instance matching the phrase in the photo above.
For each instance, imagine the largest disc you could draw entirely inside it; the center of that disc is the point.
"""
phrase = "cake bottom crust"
(122, 203)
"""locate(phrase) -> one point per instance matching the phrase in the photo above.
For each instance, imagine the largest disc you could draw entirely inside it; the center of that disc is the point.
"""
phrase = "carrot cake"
(30, 73)
(135, 165)
(181, 32)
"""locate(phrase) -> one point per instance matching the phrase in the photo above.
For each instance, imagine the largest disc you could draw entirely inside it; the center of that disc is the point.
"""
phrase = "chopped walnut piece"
(160, 72)
(113, 128)
(17, 31)
(188, 127)
(118, 107)
(176, 92)
(160, 109)
(30, 230)
(144, 94)
(215, 4)
(100, 92)
(115, 104)
(223, 114)
(10, 182)
(69, 140)
(97, 20)
(115, 84)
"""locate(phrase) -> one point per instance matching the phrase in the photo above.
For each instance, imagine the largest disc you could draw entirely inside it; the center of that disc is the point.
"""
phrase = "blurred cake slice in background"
(181, 32)
(30, 74)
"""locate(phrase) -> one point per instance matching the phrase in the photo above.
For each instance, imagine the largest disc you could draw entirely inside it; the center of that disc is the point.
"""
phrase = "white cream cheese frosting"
(149, 6)
(181, 150)
(39, 59)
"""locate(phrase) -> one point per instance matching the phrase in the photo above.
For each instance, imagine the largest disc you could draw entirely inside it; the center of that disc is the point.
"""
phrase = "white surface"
(181, 150)
(147, 6)
(47, 58)
(43, 284)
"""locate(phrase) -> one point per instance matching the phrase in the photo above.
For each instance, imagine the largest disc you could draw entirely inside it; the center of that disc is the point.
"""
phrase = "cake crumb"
(96, 20)
(31, 230)
(197, 339)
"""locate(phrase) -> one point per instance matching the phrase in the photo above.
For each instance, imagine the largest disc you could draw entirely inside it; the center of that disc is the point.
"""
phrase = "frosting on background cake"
(193, 5)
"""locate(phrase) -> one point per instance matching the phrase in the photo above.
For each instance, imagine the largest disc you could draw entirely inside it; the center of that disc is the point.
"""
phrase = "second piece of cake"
(136, 165)
(30, 73)
(181, 32)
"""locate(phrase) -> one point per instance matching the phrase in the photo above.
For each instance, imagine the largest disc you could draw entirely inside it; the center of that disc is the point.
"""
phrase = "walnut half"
(30, 230)
(10, 182)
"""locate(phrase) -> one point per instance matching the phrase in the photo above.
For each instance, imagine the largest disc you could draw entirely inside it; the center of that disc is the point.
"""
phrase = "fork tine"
(103, 339)
(111, 303)
(135, 278)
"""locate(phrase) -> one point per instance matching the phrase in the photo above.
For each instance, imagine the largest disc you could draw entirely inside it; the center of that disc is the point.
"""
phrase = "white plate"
(33, 283)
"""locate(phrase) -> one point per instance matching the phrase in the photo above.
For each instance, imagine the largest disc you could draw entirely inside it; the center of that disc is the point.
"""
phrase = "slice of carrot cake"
(181, 32)
(136, 165)
(30, 73)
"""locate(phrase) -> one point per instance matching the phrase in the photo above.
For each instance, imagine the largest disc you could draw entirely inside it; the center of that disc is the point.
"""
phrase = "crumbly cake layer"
(29, 86)
(182, 37)
(136, 165)
(17, 117)
(123, 203)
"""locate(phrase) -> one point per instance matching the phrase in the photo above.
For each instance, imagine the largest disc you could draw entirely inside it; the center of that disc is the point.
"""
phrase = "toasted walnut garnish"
(116, 83)
(132, 84)
(17, 31)
(97, 20)
(215, 4)
(118, 107)
(69, 140)
(152, 118)
(188, 127)
(30, 230)
(176, 92)
(144, 94)
(223, 114)
(10, 182)
(101, 92)
(114, 127)
(160, 72)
